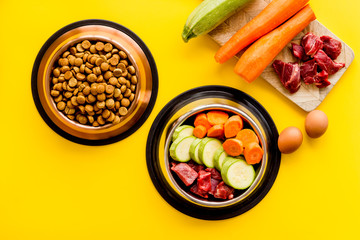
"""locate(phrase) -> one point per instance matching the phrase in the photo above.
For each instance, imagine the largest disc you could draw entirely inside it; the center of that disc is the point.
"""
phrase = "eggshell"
(316, 123)
(290, 140)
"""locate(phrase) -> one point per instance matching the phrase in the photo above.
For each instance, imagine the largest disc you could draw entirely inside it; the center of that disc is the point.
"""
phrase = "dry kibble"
(125, 102)
(61, 106)
(93, 82)
(86, 44)
(123, 111)
(72, 82)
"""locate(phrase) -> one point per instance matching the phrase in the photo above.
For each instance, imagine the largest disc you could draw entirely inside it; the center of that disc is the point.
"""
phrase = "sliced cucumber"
(219, 158)
(180, 149)
(207, 149)
(182, 131)
(237, 173)
(194, 150)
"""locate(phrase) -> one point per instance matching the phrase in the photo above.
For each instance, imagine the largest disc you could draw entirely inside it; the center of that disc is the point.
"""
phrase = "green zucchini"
(208, 15)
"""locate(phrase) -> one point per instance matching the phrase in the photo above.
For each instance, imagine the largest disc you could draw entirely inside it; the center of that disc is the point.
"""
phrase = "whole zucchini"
(208, 15)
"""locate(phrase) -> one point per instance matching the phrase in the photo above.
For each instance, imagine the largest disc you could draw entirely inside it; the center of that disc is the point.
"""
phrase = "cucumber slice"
(194, 151)
(182, 131)
(237, 173)
(207, 149)
(180, 149)
(219, 158)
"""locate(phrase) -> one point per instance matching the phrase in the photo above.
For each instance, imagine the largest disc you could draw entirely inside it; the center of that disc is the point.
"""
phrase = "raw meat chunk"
(332, 47)
(214, 184)
(311, 43)
(185, 173)
(326, 63)
(195, 189)
(308, 71)
(299, 52)
(204, 181)
(223, 191)
(322, 79)
(195, 166)
(289, 74)
(214, 173)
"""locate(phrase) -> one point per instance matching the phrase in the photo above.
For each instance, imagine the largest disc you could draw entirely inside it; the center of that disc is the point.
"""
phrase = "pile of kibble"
(93, 83)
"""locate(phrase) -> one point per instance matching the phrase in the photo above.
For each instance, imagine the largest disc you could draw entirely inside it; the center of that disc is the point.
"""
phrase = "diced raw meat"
(214, 184)
(223, 191)
(195, 166)
(289, 74)
(326, 63)
(185, 173)
(322, 79)
(299, 52)
(308, 71)
(311, 43)
(204, 181)
(214, 173)
(195, 189)
(332, 47)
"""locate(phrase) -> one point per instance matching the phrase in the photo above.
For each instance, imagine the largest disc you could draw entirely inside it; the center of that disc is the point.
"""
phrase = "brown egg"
(290, 140)
(316, 123)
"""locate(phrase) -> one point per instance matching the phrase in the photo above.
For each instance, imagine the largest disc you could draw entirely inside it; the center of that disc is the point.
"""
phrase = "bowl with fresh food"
(212, 152)
(94, 82)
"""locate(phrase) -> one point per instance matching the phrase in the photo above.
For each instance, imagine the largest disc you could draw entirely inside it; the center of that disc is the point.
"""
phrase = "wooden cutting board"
(309, 96)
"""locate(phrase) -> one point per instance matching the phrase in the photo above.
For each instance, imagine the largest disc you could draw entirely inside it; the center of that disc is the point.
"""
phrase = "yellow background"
(51, 188)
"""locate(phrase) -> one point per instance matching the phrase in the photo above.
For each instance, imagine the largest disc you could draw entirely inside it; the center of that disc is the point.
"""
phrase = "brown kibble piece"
(80, 76)
(131, 69)
(79, 48)
(106, 113)
(123, 111)
(110, 103)
(104, 66)
(132, 97)
(99, 46)
(86, 44)
(78, 62)
(133, 79)
(56, 72)
(91, 77)
(83, 119)
(54, 93)
(101, 97)
(80, 99)
(123, 55)
(114, 61)
(109, 89)
(125, 102)
(108, 47)
(61, 106)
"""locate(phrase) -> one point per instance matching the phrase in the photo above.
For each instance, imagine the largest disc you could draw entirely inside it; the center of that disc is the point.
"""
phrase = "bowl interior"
(239, 195)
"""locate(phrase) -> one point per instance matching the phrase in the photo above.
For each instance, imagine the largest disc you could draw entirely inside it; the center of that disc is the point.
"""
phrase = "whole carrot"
(260, 54)
(274, 14)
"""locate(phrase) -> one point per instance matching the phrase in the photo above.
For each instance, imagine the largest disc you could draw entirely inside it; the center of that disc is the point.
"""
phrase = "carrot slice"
(233, 147)
(232, 126)
(201, 119)
(216, 131)
(274, 14)
(200, 131)
(253, 153)
(217, 117)
(260, 54)
(247, 136)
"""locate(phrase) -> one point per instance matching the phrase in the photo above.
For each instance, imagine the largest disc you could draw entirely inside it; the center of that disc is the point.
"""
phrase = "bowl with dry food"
(212, 152)
(94, 82)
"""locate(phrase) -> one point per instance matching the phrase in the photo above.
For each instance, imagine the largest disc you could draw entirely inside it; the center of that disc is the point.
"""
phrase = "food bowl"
(138, 54)
(179, 111)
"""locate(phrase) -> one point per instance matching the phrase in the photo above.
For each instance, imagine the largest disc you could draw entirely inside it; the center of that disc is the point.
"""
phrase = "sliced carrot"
(216, 131)
(260, 54)
(274, 14)
(201, 119)
(217, 117)
(200, 131)
(232, 126)
(253, 153)
(233, 147)
(247, 136)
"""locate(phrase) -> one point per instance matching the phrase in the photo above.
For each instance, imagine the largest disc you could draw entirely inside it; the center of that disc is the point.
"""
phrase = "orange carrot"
(217, 117)
(216, 131)
(201, 119)
(247, 136)
(274, 14)
(232, 126)
(253, 153)
(233, 147)
(260, 54)
(200, 131)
